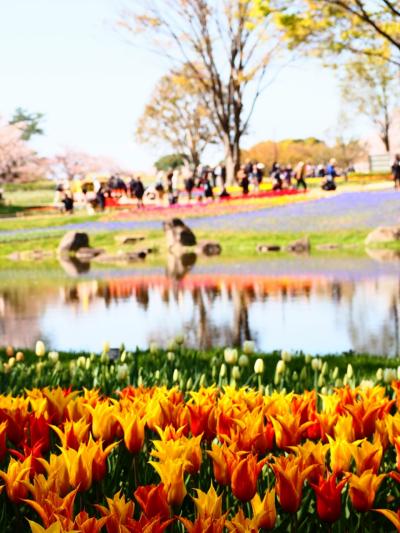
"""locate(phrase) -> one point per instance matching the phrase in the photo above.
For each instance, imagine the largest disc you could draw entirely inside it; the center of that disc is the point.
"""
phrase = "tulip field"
(182, 441)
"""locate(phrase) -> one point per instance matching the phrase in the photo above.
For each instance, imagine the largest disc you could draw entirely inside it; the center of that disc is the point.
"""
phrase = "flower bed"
(195, 457)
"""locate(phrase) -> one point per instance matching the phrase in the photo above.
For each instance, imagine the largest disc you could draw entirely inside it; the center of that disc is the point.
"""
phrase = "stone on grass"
(129, 239)
(209, 248)
(265, 248)
(72, 242)
(301, 246)
(178, 234)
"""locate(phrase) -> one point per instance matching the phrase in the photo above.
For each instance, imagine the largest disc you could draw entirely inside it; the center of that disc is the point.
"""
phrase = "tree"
(226, 47)
(372, 87)
(168, 162)
(17, 160)
(362, 27)
(177, 115)
(29, 123)
(73, 164)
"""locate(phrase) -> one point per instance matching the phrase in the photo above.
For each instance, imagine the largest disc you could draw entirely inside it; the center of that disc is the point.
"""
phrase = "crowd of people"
(200, 183)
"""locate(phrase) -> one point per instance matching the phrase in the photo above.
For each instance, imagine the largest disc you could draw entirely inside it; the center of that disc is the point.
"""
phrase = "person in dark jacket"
(396, 172)
(139, 191)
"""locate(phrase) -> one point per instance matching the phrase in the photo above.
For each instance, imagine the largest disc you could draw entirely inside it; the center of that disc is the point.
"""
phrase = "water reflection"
(281, 305)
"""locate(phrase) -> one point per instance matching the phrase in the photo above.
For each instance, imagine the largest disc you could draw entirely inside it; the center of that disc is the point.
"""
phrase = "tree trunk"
(232, 160)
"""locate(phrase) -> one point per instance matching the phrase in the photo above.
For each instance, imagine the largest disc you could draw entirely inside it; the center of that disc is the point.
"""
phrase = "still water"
(318, 305)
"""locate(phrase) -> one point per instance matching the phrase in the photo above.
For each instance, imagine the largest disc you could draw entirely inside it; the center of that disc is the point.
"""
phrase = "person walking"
(300, 175)
(139, 191)
(331, 174)
(396, 172)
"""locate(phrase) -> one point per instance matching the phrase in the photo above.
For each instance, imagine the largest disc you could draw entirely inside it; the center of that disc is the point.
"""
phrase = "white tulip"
(259, 366)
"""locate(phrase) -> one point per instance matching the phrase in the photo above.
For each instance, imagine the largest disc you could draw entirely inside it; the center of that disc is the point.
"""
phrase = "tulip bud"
(40, 349)
(106, 347)
(123, 356)
(230, 356)
(170, 356)
(6, 368)
(157, 375)
(316, 364)
(19, 356)
(249, 347)
(259, 366)
(11, 362)
(171, 345)
(379, 374)
(398, 372)
(335, 373)
(81, 362)
(39, 367)
(104, 358)
(9, 351)
(349, 371)
(324, 390)
(321, 380)
(346, 380)
(389, 375)
(53, 357)
(303, 374)
(122, 372)
(88, 362)
(244, 361)
(295, 376)
(277, 379)
(324, 369)
(338, 383)
(153, 348)
(235, 372)
(222, 371)
(189, 384)
(140, 381)
(307, 359)
(175, 375)
(202, 381)
(366, 384)
(286, 356)
(280, 367)
(179, 340)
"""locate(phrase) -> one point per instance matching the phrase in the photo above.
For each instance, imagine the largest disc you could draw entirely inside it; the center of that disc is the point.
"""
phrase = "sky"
(66, 59)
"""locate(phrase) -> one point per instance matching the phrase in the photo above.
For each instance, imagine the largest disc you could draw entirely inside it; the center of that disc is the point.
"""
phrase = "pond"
(326, 304)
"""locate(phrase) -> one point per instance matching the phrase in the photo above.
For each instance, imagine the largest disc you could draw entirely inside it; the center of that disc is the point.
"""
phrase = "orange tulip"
(187, 449)
(367, 456)
(104, 422)
(341, 453)
(119, 513)
(290, 476)
(204, 525)
(133, 428)
(15, 477)
(393, 516)
(49, 505)
(241, 524)
(208, 504)
(3, 438)
(171, 474)
(312, 454)
(56, 527)
(329, 498)
(57, 401)
(224, 461)
(153, 501)
(288, 429)
(73, 433)
(363, 490)
(244, 477)
(264, 510)
(85, 524)
(79, 465)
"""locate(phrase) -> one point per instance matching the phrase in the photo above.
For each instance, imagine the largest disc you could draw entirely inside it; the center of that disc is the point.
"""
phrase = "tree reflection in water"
(211, 307)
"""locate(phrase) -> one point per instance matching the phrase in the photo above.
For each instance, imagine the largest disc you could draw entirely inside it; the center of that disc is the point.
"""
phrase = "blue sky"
(66, 59)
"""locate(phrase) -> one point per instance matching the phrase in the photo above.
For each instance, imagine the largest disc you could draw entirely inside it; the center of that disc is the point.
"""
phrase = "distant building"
(377, 159)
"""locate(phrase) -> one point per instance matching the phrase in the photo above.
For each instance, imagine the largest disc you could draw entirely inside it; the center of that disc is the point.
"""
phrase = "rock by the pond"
(178, 234)
(301, 246)
(86, 254)
(383, 234)
(72, 242)
(265, 248)
(209, 248)
(129, 239)
(123, 257)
